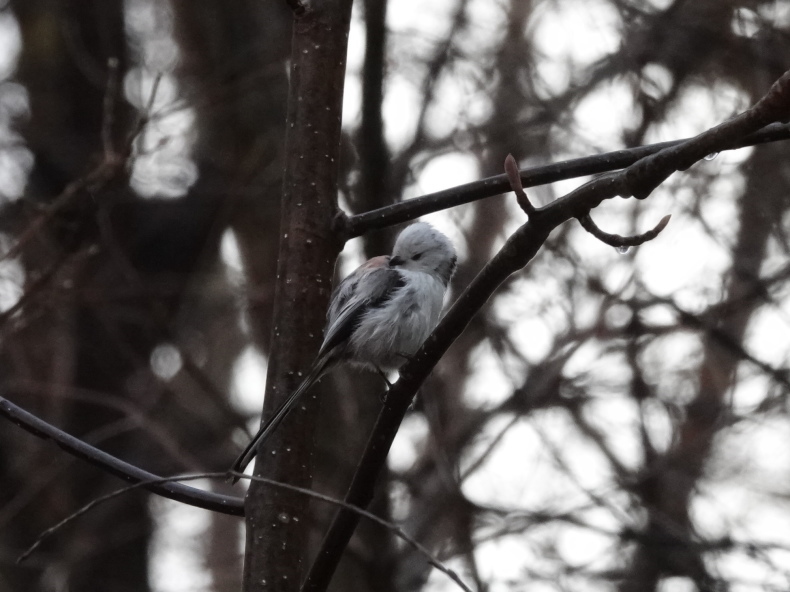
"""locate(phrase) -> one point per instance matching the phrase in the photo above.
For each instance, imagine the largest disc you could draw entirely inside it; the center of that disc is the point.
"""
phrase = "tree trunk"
(277, 521)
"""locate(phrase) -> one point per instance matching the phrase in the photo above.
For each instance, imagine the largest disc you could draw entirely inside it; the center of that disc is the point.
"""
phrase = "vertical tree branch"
(276, 524)
(374, 156)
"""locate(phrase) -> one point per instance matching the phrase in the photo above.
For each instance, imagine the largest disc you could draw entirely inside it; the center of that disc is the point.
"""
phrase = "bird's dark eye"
(416, 257)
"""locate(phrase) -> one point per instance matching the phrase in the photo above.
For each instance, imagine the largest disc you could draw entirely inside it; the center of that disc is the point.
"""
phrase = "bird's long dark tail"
(316, 372)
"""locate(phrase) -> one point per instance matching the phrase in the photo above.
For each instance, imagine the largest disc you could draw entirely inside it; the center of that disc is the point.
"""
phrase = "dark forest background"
(611, 421)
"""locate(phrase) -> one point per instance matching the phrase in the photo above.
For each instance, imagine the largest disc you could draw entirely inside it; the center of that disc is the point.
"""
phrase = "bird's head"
(420, 247)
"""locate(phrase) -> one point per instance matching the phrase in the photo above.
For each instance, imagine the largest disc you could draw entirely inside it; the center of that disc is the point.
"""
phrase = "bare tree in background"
(607, 421)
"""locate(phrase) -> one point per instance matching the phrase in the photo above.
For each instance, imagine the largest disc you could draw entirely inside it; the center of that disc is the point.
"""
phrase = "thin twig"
(619, 241)
(144, 116)
(394, 528)
(513, 175)
(100, 500)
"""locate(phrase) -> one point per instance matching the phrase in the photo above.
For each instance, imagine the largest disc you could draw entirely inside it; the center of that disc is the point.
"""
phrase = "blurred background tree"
(611, 421)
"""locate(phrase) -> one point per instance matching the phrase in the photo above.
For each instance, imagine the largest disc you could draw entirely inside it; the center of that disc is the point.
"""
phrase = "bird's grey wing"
(348, 287)
(341, 295)
(359, 297)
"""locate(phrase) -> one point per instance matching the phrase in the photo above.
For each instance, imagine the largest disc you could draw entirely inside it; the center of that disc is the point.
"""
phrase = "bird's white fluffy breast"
(389, 333)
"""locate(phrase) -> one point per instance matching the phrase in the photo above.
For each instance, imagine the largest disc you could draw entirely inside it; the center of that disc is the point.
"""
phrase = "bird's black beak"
(395, 261)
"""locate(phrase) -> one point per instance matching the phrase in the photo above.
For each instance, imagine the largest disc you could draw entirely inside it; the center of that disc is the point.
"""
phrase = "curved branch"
(411, 209)
(619, 241)
(207, 500)
(637, 180)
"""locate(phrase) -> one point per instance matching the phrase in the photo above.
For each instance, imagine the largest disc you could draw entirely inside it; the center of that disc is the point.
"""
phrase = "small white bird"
(378, 316)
